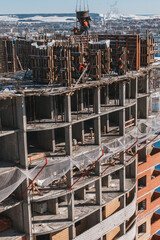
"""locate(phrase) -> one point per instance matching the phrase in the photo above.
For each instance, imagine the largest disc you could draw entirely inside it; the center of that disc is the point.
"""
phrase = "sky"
(69, 6)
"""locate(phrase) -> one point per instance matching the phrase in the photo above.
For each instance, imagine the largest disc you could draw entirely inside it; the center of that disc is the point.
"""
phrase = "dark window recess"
(142, 205)
(142, 229)
(77, 223)
(142, 183)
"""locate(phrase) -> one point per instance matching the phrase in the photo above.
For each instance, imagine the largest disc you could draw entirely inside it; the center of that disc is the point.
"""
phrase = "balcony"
(155, 174)
(155, 223)
(156, 237)
(151, 161)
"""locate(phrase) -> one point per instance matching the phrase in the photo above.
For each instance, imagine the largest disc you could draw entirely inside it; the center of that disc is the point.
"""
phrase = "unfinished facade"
(85, 147)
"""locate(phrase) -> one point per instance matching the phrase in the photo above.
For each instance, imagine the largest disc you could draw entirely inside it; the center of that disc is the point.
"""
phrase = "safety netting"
(56, 170)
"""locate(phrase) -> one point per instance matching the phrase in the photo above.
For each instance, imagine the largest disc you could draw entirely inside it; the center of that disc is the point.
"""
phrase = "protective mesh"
(12, 179)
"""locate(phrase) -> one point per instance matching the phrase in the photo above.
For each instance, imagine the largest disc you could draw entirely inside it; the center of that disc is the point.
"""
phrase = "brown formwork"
(147, 50)
(130, 42)
(105, 56)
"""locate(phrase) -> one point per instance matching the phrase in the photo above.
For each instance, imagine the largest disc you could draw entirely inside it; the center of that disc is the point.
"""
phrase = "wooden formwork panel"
(132, 45)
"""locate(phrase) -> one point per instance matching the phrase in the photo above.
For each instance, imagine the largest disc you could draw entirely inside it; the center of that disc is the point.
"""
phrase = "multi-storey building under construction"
(79, 151)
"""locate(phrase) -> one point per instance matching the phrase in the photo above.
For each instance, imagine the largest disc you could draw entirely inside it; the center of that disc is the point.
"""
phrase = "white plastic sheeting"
(54, 171)
(102, 42)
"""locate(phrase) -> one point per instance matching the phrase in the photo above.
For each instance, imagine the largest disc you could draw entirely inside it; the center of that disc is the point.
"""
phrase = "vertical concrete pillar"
(122, 122)
(98, 168)
(105, 123)
(70, 176)
(122, 93)
(107, 94)
(106, 180)
(143, 107)
(53, 141)
(53, 206)
(72, 232)
(67, 108)
(52, 107)
(98, 186)
(68, 140)
(134, 88)
(81, 193)
(27, 215)
(97, 100)
(78, 132)
(23, 155)
(70, 200)
(22, 135)
(97, 131)
(122, 179)
(123, 225)
(81, 97)
(147, 82)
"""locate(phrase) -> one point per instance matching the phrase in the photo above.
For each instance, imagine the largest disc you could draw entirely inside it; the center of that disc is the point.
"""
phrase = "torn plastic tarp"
(56, 170)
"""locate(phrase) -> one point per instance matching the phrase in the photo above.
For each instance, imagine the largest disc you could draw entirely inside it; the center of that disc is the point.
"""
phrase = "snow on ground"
(115, 16)
(51, 19)
(36, 18)
(8, 18)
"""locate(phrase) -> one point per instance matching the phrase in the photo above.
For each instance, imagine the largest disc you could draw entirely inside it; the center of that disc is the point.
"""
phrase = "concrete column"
(22, 135)
(122, 159)
(147, 82)
(52, 107)
(98, 168)
(82, 104)
(53, 141)
(97, 131)
(136, 115)
(106, 180)
(122, 93)
(81, 194)
(97, 100)
(68, 140)
(98, 186)
(27, 215)
(70, 199)
(72, 232)
(122, 179)
(67, 108)
(134, 88)
(123, 225)
(70, 176)
(53, 206)
(105, 123)
(143, 107)
(78, 132)
(122, 122)
(107, 94)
